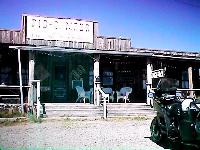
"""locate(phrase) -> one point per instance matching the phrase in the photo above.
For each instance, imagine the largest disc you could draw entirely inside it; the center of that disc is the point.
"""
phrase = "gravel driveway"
(77, 134)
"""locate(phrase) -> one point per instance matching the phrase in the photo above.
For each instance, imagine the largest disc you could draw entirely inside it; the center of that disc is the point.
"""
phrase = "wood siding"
(113, 43)
(64, 44)
(101, 43)
(11, 36)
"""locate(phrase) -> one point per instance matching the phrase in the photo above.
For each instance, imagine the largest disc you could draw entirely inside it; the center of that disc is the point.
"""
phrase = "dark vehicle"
(178, 118)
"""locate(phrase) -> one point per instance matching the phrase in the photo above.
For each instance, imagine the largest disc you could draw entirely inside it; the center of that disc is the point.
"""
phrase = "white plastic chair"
(82, 94)
(110, 92)
(124, 94)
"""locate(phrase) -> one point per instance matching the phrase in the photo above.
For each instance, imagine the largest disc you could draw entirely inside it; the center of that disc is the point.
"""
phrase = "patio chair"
(124, 94)
(110, 92)
(82, 94)
(89, 95)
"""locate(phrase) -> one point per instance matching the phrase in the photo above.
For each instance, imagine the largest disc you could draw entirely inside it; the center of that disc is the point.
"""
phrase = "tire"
(156, 135)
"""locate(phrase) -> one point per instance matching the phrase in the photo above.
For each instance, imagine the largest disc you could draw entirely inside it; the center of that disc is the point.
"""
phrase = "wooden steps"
(129, 109)
(90, 110)
(72, 110)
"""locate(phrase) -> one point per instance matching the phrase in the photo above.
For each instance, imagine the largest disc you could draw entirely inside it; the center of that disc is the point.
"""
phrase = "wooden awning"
(132, 52)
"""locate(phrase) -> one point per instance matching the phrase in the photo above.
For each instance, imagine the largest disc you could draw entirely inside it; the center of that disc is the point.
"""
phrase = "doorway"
(124, 71)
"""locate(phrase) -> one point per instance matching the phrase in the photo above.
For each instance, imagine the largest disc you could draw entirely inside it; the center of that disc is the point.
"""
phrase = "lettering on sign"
(49, 28)
(158, 73)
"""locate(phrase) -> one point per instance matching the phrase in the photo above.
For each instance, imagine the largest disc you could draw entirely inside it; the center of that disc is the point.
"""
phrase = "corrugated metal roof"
(132, 51)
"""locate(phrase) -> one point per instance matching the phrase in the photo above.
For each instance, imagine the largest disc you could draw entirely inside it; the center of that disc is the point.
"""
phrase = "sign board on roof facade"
(46, 28)
(158, 73)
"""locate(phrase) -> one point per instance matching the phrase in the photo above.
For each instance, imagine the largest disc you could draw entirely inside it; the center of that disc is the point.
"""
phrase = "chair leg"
(124, 98)
(77, 99)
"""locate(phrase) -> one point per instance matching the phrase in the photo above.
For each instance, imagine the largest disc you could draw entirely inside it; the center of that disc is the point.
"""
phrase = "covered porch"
(61, 70)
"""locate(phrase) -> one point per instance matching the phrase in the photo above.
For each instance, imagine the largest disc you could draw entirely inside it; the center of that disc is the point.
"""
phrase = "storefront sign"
(47, 28)
(158, 73)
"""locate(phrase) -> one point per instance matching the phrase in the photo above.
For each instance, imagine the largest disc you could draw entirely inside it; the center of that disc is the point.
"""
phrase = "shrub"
(33, 118)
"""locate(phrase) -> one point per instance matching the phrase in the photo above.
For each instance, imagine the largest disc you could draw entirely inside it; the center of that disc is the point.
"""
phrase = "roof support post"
(20, 81)
(149, 81)
(96, 77)
(38, 99)
(190, 81)
(31, 77)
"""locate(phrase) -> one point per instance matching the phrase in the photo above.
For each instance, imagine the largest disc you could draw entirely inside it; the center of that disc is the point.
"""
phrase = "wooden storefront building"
(65, 53)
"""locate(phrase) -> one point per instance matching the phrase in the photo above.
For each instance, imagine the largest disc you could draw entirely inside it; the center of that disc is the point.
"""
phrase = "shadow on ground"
(168, 144)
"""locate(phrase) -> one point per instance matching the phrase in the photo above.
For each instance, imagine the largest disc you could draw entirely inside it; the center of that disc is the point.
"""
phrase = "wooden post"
(149, 81)
(104, 109)
(31, 77)
(96, 34)
(38, 99)
(20, 81)
(190, 81)
(96, 75)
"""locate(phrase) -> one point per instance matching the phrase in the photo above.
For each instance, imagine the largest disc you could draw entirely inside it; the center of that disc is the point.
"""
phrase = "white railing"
(105, 99)
(13, 96)
(35, 96)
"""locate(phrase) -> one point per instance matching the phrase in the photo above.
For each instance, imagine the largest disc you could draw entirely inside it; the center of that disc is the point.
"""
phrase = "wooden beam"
(12, 86)
(38, 99)
(31, 77)
(149, 80)
(9, 95)
(20, 81)
(96, 76)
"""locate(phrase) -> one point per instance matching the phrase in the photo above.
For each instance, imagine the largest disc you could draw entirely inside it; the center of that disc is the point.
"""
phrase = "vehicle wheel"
(156, 134)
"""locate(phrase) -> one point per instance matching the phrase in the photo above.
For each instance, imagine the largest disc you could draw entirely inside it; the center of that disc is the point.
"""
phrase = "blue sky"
(161, 24)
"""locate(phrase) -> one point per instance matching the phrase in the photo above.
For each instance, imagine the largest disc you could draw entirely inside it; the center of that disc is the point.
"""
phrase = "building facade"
(64, 53)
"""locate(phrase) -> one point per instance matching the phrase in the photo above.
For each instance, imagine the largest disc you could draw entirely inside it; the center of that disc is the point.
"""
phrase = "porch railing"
(103, 100)
(34, 97)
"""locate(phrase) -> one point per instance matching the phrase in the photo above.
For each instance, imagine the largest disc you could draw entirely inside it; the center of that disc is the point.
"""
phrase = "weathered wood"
(96, 33)
(64, 44)
(31, 77)
(113, 43)
(11, 36)
(12, 86)
(9, 95)
(99, 43)
(38, 99)
(20, 81)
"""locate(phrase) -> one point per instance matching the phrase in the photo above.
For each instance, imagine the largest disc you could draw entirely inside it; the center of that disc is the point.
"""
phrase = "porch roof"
(133, 51)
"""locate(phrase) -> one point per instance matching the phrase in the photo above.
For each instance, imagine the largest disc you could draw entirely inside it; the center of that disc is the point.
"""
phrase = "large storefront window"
(123, 72)
(61, 73)
(107, 78)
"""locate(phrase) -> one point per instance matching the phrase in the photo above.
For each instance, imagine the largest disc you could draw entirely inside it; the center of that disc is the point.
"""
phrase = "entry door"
(59, 84)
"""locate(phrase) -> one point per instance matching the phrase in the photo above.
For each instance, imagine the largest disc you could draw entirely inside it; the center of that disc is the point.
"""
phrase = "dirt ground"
(118, 133)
